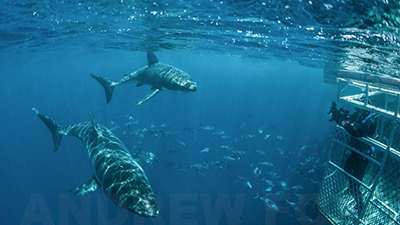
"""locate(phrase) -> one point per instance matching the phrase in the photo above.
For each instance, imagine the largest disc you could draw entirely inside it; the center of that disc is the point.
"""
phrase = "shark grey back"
(122, 179)
(158, 75)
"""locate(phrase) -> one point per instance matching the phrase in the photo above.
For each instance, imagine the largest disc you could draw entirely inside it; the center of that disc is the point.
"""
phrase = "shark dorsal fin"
(94, 123)
(151, 58)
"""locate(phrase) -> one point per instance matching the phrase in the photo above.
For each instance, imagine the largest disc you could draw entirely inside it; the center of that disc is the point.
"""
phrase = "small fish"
(238, 152)
(282, 183)
(305, 220)
(259, 151)
(143, 157)
(268, 189)
(248, 136)
(273, 127)
(193, 138)
(205, 150)
(135, 133)
(222, 165)
(285, 153)
(164, 133)
(258, 173)
(268, 202)
(245, 181)
(260, 130)
(131, 122)
(266, 164)
(291, 203)
(306, 161)
(207, 128)
(115, 127)
(267, 136)
(328, 6)
(144, 130)
(280, 138)
(200, 166)
(303, 148)
(273, 174)
(219, 133)
(153, 133)
(130, 118)
(270, 183)
(189, 129)
(249, 184)
(181, 143)
(177, 167)
(297, 188)
(174, 151)
(232, 157)
(228, 147)
(226, 137)
(243, 125)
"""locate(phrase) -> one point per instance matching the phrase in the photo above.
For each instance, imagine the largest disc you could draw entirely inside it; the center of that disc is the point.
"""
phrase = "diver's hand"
(338, 115)
(335, 116)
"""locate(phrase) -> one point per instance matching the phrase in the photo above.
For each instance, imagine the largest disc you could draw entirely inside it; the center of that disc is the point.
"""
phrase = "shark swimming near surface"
(158, 75)
(121, 177)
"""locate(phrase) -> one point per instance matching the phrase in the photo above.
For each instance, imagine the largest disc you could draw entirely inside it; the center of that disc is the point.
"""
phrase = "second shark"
(158, 75)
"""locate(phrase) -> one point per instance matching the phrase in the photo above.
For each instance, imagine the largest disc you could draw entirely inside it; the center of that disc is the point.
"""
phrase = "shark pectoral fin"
(86, 188)
(148, 96)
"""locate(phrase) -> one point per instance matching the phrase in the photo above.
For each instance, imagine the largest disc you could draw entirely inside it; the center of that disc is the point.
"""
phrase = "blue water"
(259, 71)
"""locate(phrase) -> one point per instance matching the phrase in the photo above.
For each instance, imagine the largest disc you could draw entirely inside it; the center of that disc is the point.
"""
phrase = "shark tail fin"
(54, 127)
(107, 85)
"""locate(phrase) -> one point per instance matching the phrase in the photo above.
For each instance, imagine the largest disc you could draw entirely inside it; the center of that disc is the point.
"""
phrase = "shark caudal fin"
(53, 126)
(107, 85)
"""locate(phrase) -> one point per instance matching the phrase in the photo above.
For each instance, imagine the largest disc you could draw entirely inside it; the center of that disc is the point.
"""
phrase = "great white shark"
(114, 169)
(158, 75)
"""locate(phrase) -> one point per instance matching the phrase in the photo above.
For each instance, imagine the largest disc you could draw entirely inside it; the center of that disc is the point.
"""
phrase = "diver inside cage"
(361, 123)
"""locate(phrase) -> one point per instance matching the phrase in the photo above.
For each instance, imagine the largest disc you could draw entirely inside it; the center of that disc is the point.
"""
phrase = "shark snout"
(193, 87)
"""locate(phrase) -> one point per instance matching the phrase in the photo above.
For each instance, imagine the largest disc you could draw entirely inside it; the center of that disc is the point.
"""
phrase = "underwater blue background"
(282, 99)
(260, 108)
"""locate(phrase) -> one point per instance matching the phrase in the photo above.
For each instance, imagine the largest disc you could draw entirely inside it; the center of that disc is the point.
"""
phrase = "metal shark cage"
(379, 189)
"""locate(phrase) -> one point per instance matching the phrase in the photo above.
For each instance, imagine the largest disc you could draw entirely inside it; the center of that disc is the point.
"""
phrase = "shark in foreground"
(158, 75)
(122, 179)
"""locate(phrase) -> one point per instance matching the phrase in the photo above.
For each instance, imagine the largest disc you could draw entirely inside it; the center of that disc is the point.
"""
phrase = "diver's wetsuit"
(356, 165)
(360, 124)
